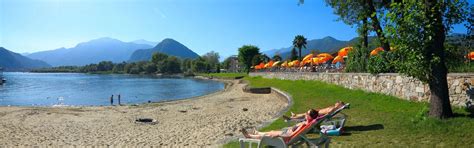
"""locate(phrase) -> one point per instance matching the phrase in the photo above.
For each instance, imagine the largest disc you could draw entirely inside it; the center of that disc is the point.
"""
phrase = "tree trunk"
(440, 106)
(300, 54)
(376, 24)
(365, 37)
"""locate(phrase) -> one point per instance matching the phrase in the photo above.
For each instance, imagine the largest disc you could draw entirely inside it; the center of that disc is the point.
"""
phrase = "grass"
(374, 119)
(462, 68)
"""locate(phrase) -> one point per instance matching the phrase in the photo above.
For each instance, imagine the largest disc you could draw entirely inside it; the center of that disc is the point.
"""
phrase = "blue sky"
(201, 25)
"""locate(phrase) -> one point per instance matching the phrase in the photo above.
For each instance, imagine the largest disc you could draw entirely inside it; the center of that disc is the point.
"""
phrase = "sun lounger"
(334, 118)
(332, 114)
(297, 138)
(300, 136)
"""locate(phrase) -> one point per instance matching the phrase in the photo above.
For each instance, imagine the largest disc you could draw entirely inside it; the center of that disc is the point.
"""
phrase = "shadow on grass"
(361, 128)
(469, 115)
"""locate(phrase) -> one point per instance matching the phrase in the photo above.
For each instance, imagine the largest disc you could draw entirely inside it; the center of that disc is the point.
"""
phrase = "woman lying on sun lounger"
(286, 132)
(322, 111)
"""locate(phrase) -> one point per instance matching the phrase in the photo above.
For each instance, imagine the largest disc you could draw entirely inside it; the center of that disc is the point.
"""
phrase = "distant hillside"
(142, 41)
(12, 61)
(167, 46)
(94, 51)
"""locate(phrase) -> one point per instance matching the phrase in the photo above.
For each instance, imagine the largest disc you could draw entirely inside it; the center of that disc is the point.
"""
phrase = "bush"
(384, 62)
(357, 60)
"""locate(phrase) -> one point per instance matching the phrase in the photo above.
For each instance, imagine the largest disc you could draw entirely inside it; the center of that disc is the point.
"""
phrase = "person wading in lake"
(112, 100)
(119, 100)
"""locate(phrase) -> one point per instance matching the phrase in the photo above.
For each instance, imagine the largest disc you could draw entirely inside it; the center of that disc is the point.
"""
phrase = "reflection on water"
(47, 89)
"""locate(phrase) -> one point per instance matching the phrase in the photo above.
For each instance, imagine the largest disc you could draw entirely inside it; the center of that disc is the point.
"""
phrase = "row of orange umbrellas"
(308, 59)
(325, 57)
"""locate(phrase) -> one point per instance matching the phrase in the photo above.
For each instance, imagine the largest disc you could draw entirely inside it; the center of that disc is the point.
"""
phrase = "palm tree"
(299, 42)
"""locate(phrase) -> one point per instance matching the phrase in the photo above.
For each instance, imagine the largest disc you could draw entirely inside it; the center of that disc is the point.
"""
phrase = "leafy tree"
(418, 29)
(353, 13)
(264, 58)
(226, 63)
(212, 58)
(119, 67)
(276, 58)
(138, 68)
(358, 12)
(200, 65)
(299, 42)
(382, 62)
(105, 66)
(149, 68)
(135, 70)
(357, 59)
(293, 54)
(186, 65)
(128, 67)
(158, 57)
(171, 65)
(257, 59)
(246, 54)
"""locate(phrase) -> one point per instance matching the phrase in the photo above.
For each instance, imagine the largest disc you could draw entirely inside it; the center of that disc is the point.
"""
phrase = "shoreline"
(223, 81)
(208, 120)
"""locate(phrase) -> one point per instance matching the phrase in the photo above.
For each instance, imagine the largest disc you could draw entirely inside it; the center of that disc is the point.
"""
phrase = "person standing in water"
(119, 100)
(112, 100)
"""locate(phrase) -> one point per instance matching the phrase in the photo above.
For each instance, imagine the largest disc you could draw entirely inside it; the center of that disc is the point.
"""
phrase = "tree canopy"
(246, 55)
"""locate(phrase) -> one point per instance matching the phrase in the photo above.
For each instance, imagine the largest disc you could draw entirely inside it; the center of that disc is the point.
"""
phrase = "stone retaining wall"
(391, 84)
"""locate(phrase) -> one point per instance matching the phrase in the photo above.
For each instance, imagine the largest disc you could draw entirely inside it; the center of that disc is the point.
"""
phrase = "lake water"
(75, 89)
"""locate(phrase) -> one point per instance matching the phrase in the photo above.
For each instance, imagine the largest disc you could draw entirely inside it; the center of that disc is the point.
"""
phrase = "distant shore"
(208, 120)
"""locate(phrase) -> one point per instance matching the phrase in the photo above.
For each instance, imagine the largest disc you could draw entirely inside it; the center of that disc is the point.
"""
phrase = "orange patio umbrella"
(294, 63)
(338, 59)
(308, 57)
(325, 55)
(256, 67)
(344, 51)
(285, 64)
(261, 65)
(271, 63)
(376, 51)
(470, 55)
(316, 61)
(275, 63)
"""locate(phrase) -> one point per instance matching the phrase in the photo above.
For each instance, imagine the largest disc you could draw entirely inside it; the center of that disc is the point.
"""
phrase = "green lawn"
(375, 119)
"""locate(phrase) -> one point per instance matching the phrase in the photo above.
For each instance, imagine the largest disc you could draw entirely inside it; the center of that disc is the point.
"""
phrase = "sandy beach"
(206, 121)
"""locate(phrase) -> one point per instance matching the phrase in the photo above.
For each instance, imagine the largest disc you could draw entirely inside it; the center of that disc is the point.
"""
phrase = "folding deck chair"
(334, 119)
(298, 137)
(295, 139)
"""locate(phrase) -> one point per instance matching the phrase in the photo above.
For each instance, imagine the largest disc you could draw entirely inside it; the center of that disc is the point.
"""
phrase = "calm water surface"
(47, 89)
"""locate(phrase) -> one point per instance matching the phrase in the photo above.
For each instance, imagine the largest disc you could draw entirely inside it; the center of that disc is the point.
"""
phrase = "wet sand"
(206, 121)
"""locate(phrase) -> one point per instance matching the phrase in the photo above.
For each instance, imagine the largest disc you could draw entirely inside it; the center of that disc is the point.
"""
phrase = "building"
(234, 65)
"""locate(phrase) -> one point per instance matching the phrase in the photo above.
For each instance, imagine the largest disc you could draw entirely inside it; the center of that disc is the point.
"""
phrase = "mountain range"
(142, 41)
(94, 51)
(109, 49)
(12, 61)
(167, 46)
